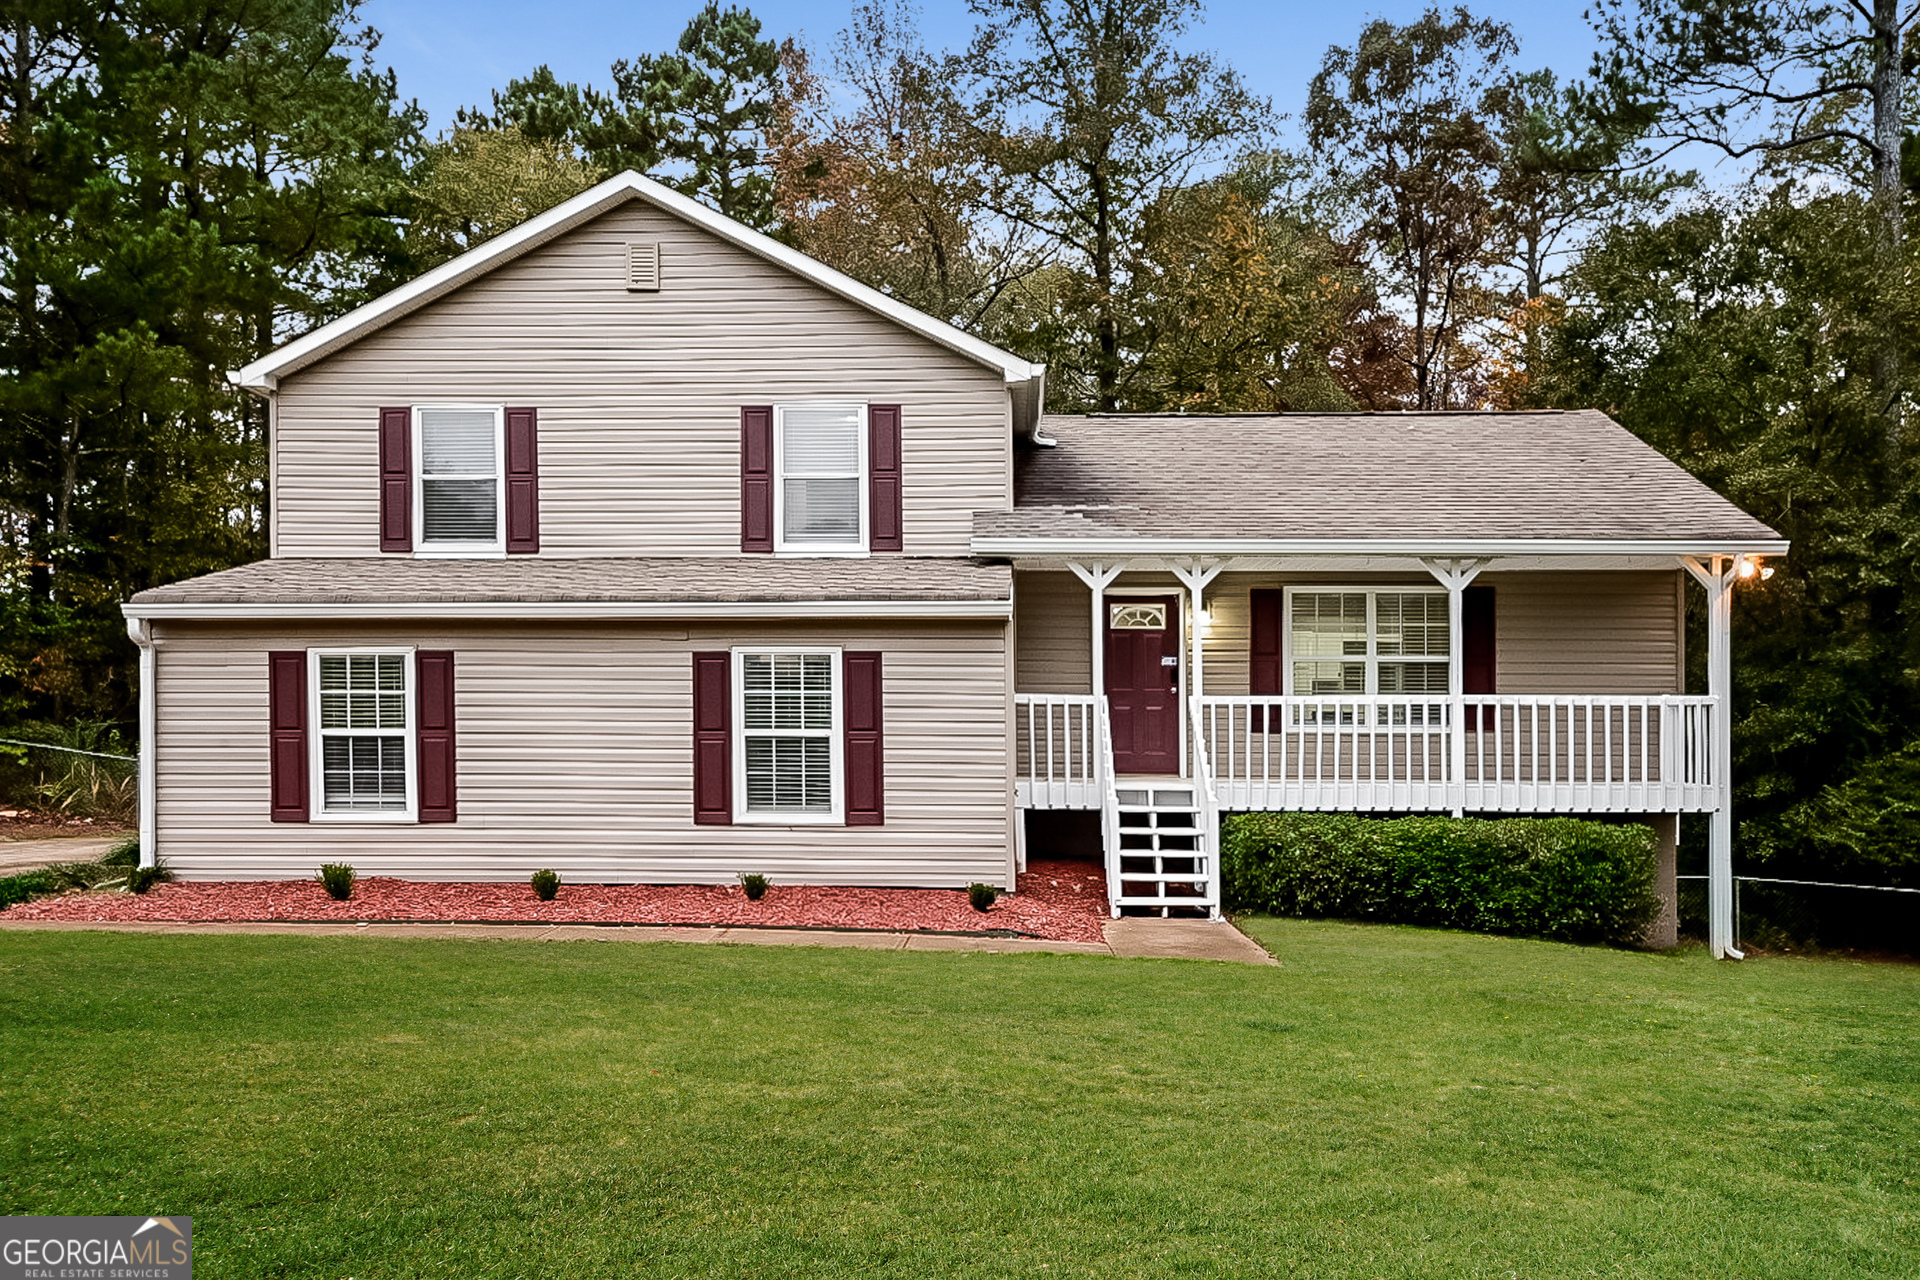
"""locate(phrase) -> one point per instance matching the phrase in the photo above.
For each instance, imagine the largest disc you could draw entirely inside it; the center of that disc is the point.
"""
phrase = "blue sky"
(450, 54)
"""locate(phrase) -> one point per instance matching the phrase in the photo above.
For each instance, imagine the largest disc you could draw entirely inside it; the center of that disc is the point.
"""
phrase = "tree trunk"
(1887, 195)
(1108, 331)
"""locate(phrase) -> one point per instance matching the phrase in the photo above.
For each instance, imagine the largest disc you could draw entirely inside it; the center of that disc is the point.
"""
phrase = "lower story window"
(789, 718)
(1355, 644)
(365, 739)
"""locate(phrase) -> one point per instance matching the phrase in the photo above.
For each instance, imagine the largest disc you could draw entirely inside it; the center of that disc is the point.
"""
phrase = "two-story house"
(638, 545)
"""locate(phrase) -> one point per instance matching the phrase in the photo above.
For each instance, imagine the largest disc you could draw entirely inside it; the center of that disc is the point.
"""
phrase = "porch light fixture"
(1749, 567)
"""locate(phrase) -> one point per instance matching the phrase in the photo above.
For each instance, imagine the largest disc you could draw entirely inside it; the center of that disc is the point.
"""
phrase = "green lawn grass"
(1387, 1102)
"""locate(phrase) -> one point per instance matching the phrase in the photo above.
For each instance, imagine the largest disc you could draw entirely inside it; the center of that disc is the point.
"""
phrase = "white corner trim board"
(263, 375)
(574, 610)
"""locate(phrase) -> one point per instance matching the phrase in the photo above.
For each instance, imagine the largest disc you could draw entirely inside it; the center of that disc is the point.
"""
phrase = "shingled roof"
(469, 585)
(1572, 476)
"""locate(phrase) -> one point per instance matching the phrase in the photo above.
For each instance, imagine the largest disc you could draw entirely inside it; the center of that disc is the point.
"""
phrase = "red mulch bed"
(1058, 901)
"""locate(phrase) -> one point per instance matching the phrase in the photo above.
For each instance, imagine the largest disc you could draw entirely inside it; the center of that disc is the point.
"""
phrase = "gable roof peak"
(263, 375)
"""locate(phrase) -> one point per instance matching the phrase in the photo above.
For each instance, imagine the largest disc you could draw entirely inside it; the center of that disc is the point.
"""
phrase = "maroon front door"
(1143, 682)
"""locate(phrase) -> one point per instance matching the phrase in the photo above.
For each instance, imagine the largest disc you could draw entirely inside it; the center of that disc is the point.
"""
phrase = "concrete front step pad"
(1156, 938)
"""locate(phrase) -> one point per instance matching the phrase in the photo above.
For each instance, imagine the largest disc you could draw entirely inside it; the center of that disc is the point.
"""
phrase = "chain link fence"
(1808, 915)
(92, 774)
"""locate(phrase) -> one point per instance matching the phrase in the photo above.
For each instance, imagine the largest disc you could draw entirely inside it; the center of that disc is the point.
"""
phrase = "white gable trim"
(263, 375)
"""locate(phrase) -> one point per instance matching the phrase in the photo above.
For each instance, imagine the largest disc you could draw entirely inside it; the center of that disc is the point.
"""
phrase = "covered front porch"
(1533, 682)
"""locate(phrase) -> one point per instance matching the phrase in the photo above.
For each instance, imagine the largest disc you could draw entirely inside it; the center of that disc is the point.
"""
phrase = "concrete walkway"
(31, 855)
(1147, 938)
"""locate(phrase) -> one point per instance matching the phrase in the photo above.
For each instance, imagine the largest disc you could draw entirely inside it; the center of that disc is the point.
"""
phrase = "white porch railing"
(1522, 753)
(1058, 764)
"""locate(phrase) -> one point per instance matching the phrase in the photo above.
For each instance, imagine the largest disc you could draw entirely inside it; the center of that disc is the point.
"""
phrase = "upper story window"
(820, 478)
(460, 503)
(1367, 642)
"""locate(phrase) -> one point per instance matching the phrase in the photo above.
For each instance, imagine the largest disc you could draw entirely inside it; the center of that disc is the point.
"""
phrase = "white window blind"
(788, 726)
(822, 476)
(364, 722)
(459, 476)
(1358, 643)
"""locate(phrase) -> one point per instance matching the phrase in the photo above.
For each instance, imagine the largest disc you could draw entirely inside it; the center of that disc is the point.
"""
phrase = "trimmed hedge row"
(1559, 878)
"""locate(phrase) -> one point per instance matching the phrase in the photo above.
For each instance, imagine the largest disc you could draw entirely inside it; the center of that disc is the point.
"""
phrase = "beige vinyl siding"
(1574, 632)
(639, 396)
(1588, 632)
(1052, 624)
(575, 751)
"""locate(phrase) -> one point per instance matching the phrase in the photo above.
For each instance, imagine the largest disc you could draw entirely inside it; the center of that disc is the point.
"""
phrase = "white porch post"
(1098, 578)
(1194, 578)
(1718, 578)
(142, 635)
(1456, 576)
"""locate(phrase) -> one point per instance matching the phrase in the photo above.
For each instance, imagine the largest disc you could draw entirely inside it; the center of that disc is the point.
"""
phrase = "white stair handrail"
(1109, 805)
(1209, 806)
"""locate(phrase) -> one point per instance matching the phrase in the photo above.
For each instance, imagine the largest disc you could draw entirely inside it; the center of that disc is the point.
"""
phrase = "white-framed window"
(820, 478)
(361, 707)
(1355, 642)
(787, 762)
(459, 503)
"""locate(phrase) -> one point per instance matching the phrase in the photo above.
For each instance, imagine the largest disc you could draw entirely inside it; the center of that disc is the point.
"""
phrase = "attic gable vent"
(643, 268)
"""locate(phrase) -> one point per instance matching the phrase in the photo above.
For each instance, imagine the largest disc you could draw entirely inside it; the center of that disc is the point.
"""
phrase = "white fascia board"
(263, 374)
(575, 610)
(1161, 548)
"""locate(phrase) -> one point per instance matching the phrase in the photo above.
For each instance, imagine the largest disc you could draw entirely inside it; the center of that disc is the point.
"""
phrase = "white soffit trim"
(1142, 548)
(263, 374)
(577, 610)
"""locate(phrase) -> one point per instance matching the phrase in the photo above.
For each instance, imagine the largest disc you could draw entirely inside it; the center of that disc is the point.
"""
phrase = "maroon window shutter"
(1265, 678)
(713, 739)
(433, 669)
(1477, 641)
(883, 478)
(287, 720)
(756, 478)
(396, 479)
(1476, 648)
(866, 778)
(523, 482)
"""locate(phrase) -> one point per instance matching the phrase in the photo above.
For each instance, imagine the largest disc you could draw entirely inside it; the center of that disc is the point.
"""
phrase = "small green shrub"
(124, 854)
(545, 885)
(141, 879)
(982, 896)
(1561, 878)
(84, 875)
(755, 884)
(337, 879)
(25, 885)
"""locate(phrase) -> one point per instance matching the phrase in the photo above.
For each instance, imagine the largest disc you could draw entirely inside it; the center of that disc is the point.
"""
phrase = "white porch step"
(1164, 861)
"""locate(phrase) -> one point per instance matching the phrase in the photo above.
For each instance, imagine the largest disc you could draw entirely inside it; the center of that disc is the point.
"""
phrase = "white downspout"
(142, 634)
